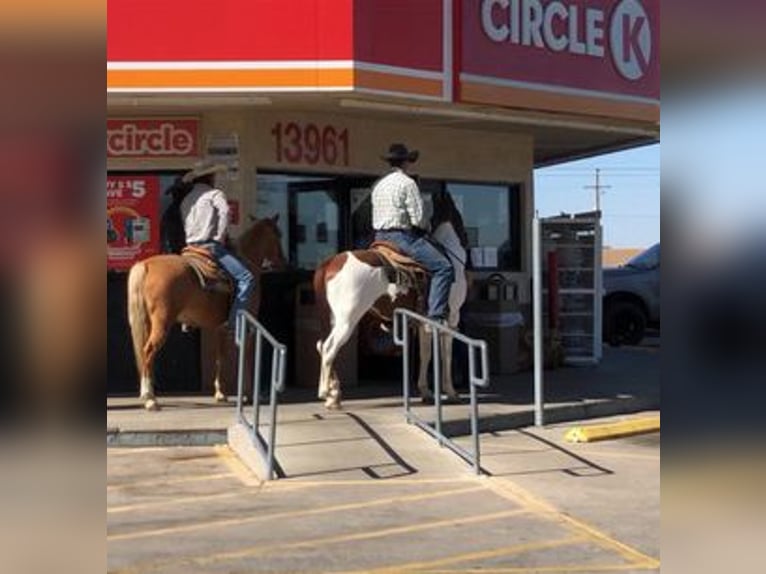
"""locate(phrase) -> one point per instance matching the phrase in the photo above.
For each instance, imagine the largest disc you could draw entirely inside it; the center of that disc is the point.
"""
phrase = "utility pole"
(598, 187)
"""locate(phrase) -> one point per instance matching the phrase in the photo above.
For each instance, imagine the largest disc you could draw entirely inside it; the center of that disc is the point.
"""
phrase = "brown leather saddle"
(210, 275)
(401, 269)
(405, 273)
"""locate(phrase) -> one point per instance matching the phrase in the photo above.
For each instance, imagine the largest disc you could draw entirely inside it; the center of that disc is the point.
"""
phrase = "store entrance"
(319, 217)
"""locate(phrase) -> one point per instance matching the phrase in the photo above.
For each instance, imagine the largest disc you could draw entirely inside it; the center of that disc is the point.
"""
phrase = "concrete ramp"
(348, 446)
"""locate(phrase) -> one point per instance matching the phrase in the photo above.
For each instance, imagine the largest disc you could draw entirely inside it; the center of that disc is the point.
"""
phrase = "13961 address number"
(310, 144)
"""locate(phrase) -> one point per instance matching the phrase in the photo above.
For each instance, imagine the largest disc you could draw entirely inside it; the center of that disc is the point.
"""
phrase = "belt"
(206, 242)
(399, 229)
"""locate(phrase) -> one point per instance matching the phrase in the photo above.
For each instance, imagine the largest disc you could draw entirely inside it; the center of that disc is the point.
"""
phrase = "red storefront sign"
(132, 219)
(245, 30)
(592, 57)
(152, 138)
(567, 48)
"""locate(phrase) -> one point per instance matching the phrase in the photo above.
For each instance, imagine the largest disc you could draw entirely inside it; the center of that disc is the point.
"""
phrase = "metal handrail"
(245, 323)
(402, 339)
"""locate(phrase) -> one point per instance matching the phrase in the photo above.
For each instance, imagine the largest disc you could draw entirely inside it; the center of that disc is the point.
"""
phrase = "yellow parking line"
(480, 555)
(290, 484)
(542, 569)
(172, 501)
(236, 466)
(514, 492)
(318, 542)
(121, 451)
(167, 481)
(288, 514)
(630, 427)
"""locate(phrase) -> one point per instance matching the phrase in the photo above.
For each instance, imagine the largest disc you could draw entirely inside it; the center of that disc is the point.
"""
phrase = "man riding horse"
(398, 217)
(169, 288)
(205, 213)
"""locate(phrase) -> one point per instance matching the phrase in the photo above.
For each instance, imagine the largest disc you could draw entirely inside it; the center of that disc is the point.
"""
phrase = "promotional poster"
(132, 219)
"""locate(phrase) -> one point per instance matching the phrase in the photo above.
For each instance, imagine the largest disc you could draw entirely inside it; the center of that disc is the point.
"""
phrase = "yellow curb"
(613, 430)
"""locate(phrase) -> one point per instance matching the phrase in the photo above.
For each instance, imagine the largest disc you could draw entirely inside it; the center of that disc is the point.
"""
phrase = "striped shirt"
(205, 212)
(396, 203)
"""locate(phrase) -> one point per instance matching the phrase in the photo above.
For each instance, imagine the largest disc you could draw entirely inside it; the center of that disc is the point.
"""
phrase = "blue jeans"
(244, 279)
(424, 252)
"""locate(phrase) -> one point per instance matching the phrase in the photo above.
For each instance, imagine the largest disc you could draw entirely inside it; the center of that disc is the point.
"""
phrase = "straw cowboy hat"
(399, 152)
(204, 167)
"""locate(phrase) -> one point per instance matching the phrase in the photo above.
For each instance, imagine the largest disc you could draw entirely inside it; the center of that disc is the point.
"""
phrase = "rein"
(450, 252)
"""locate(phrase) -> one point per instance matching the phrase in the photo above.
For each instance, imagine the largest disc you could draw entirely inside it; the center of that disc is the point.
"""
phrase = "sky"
(630, 205)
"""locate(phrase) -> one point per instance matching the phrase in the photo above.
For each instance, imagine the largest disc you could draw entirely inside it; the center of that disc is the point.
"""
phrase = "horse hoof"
(332, 406)
(427, 399)
(453, 400)
(220, 398)
(151, 405)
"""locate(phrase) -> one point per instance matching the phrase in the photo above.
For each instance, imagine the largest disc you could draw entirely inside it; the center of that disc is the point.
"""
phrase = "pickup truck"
(632, 298)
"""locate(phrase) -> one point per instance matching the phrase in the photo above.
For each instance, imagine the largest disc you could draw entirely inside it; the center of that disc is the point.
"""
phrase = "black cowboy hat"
(399, 152)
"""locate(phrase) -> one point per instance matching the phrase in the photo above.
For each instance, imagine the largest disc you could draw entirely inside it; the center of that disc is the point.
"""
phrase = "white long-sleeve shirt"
(396, 202)
(205, 212)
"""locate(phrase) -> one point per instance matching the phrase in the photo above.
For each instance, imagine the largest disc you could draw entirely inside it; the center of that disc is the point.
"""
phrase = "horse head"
(445, 211)
(262, 244)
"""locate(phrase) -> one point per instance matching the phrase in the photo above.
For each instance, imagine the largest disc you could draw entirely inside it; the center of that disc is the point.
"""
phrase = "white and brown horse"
(348, 285)
(163, 290)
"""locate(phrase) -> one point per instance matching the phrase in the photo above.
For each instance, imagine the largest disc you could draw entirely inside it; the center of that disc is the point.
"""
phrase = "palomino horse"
(163, 290)
(349, 284)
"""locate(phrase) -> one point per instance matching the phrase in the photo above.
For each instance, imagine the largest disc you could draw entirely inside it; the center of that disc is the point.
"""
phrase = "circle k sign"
(574, 27)
(631, 39)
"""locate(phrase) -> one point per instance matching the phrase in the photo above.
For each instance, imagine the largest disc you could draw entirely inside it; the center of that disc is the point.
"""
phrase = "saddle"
(410, 278)
(210, 275)
(400, 268)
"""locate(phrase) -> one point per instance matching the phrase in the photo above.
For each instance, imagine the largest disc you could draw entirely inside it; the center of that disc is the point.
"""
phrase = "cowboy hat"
(399, 152)
(204, 167)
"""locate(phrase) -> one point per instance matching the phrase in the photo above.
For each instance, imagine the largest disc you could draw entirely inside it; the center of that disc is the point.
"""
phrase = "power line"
(597, 188)
(589, 169)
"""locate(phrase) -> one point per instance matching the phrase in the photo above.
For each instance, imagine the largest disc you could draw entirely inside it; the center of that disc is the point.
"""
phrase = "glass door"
(315, 222)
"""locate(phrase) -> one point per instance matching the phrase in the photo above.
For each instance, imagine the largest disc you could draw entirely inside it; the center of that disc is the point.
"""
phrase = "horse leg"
(324, 375)
(449, 389)
(220, 349)
(329, 385)
(160, 325)
(424, 339)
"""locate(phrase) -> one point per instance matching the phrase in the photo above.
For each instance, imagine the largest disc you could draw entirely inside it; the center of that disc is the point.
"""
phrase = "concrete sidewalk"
(626, 381)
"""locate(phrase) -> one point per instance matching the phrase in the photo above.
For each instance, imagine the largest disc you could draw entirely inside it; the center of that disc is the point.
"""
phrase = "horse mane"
(445, 211)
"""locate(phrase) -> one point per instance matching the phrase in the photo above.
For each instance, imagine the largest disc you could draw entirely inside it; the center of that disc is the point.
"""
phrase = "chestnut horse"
(349, 284)
(163, 290)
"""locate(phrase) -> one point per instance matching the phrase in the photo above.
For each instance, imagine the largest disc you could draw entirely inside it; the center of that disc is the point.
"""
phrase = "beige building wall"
(445, 153)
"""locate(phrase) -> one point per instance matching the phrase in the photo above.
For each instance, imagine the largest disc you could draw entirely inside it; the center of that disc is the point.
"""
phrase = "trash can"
(494, 316)
(308, 331)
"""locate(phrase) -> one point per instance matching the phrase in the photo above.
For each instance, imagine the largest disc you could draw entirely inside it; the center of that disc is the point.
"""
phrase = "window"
(309, 215)
(648, 259)
(491, 216)
(321, 215)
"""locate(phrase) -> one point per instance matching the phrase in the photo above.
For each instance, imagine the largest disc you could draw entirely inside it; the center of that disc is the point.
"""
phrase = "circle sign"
(631, 39)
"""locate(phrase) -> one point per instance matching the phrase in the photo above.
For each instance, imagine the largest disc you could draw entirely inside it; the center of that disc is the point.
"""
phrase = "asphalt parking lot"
(548, 506)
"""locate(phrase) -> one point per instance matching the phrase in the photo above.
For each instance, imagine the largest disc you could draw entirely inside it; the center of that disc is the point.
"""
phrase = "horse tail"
(138, 316)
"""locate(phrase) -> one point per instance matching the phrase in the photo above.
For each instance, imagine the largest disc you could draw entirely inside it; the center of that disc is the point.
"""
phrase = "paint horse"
(164, 289)
(351, 283)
